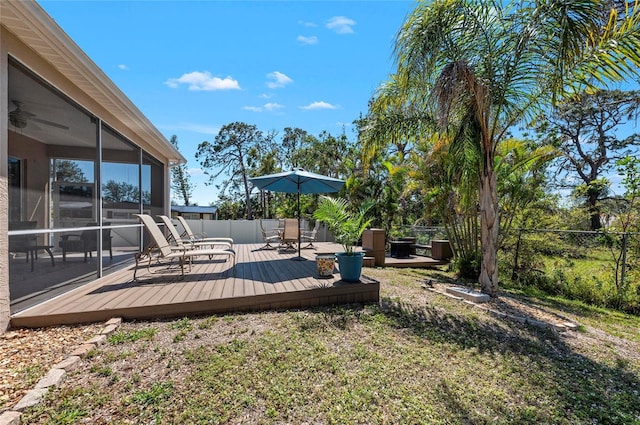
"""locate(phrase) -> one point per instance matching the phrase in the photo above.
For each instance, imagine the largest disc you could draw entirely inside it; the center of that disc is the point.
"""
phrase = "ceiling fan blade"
(21, 113)
(51, 123)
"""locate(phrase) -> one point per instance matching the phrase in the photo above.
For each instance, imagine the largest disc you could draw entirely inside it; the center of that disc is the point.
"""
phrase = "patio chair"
(290, 233)
(22, 243)
(188, 233)
(160, 248)
(269, 236)
(86, 242)
(176, 238)
(310, 236)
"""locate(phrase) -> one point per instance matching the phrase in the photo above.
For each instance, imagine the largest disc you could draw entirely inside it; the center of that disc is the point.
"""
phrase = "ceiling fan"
(19, 118)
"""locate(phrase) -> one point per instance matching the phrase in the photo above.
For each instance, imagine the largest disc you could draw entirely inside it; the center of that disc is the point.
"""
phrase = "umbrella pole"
(299, 257)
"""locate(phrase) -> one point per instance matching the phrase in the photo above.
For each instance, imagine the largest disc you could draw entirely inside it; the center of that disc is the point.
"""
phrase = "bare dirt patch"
(26, 355)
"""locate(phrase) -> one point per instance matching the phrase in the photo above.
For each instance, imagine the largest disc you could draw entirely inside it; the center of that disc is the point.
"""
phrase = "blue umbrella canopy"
(298, 181)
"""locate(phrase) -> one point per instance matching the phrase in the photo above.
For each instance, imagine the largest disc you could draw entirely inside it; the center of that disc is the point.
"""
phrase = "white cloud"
(123, 67)
(265, 96)
(319, 105)
(272, 106)
(279, 80)
(307, 40)
(203, 81)
(341, 24)
(308, 24)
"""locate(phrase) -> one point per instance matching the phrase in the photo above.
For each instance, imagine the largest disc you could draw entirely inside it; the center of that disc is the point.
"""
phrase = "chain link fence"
(423, 234)
(600, 268)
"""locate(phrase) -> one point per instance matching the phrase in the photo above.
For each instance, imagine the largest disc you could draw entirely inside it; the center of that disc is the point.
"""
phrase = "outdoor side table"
(401, 249)
(33, 253)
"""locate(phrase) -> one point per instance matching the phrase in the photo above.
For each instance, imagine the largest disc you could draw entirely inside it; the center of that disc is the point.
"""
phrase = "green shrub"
(467, 267)
(537, 279)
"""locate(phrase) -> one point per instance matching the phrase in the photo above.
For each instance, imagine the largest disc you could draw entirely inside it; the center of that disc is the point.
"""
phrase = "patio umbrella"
(298, 181)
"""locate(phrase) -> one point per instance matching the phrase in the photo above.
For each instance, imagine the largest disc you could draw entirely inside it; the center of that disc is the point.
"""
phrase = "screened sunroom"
(79, 159)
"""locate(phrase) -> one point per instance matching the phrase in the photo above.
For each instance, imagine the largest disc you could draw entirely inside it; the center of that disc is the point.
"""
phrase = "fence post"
(514, 272)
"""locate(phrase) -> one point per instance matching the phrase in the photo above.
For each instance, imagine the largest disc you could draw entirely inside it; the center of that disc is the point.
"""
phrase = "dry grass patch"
(418, 357)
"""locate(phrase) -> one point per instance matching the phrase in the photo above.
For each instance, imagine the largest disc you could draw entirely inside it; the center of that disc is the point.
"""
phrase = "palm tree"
(483, 67)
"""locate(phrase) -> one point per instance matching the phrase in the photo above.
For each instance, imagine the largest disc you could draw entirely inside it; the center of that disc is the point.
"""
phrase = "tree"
(229, 155)
(229, 209)
(627, 221)
(69, 171)
(180, 179)
(449, 176)
(521, 167)
(393, 137)
(292, 141)
(113, 191)
(264, 159)
(325, 154)
(486, 66)
(583, 128)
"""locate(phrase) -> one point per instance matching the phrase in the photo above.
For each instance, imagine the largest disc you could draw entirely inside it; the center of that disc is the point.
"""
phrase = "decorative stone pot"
(350, 266)
(325, 264)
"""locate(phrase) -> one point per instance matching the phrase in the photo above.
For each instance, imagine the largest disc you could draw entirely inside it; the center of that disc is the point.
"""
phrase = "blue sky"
(193, 66)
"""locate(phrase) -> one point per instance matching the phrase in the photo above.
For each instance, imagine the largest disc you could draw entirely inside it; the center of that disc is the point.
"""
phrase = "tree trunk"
(594, 212)
(247, 191)
(489, 225)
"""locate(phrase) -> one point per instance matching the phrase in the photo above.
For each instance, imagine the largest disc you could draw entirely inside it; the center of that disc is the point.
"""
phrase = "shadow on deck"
(261, 280)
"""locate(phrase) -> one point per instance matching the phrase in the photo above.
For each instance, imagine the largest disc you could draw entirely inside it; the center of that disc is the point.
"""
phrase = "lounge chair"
(290, 233)
(269, 236)
(160, 248)
(309, 236)
(188, 233)
(176, 238)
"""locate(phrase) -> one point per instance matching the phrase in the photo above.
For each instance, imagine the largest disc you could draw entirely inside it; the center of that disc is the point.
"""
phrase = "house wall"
(4, 185)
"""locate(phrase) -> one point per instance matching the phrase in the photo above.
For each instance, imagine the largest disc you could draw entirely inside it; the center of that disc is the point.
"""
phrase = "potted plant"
(347, 228)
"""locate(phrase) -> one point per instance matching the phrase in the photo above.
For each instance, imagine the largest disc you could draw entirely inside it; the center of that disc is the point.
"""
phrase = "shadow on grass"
(587, 391)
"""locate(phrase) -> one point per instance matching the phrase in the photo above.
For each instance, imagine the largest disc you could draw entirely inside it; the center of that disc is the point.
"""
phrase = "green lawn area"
(417, 358)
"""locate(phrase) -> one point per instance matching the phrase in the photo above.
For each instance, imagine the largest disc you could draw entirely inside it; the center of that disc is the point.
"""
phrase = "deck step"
(369, 262)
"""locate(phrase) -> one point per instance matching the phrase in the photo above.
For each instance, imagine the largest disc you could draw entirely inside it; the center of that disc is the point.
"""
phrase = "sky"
(192, 67)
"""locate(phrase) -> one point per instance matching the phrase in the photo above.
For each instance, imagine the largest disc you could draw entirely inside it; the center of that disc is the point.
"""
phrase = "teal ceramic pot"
(350, 266)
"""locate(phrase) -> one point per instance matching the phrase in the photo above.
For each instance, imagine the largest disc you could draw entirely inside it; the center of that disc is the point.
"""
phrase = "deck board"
(261, 279)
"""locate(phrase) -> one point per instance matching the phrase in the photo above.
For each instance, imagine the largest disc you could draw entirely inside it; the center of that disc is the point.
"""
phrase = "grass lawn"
(418, 357)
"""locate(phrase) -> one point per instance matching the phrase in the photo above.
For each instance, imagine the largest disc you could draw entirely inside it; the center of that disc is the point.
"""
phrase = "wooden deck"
(260, 280)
